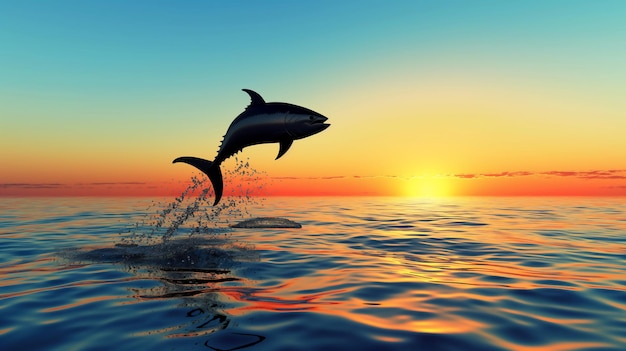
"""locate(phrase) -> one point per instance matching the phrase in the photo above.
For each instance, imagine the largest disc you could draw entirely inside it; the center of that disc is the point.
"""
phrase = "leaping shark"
(260, 123)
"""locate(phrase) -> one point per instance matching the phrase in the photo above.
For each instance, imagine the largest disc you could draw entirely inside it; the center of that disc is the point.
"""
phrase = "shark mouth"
(320, 120)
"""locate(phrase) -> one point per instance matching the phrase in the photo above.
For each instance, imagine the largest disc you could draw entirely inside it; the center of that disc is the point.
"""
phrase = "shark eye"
(311, 118)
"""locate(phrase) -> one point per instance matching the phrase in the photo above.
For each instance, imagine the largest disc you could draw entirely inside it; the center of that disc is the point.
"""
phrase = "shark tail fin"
(209, 168)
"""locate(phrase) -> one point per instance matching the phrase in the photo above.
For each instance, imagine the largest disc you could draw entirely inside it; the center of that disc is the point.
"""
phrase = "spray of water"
(186, 245)
(192, 212)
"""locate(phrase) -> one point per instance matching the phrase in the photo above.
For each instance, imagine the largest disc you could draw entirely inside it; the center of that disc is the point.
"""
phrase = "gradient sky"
(424, 97)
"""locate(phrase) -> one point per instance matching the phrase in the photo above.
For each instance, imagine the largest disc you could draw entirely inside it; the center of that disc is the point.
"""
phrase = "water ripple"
(362, 273)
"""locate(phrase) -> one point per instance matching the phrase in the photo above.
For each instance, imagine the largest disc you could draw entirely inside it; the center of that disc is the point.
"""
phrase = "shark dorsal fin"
(257, 100)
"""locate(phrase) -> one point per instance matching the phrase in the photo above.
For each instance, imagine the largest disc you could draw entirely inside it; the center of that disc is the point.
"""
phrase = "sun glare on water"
(428, 187)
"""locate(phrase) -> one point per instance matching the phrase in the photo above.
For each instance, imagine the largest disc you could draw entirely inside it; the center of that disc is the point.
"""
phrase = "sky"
(425, 98)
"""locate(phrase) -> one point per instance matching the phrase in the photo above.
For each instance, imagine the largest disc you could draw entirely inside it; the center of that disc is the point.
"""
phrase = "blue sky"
(144, 81)
(110, 47)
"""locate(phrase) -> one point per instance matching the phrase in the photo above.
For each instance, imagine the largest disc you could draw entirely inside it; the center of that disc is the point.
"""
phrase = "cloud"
(616, 187)
(595, 174)
(616, 174)
(561, 173)
(610, 174)
(331, 177)
(116, 183)
(493, 175)
(466, 175)
(296, 178)
(65, 186)
(32, 185)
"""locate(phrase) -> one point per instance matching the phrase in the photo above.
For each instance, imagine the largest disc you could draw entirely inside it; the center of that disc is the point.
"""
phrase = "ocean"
(363, 273)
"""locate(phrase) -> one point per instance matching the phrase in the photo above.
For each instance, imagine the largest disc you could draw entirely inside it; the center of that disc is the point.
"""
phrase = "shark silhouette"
(260, 123)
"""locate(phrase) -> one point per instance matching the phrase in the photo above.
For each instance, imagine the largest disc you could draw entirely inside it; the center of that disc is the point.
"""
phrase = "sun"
(428, 187)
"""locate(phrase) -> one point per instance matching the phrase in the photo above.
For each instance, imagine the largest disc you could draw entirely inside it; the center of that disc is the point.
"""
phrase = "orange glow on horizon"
(420, 186)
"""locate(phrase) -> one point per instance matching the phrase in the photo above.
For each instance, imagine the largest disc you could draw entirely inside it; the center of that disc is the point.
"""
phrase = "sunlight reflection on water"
(364, 273)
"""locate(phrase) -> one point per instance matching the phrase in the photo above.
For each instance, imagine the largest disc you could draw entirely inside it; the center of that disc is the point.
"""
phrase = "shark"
(260, 123)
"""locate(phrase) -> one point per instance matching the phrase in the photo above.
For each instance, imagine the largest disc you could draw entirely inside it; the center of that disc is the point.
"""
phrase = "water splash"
(185, 245)
(186, 234)
(192, 212)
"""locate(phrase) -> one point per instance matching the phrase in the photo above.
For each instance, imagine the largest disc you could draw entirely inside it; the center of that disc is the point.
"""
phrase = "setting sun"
(428, 186)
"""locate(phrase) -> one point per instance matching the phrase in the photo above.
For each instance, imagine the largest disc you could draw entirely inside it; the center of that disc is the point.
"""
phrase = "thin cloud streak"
(61, 185)
(595, 174)
(115, 183)
(32, 185)
(613, 181)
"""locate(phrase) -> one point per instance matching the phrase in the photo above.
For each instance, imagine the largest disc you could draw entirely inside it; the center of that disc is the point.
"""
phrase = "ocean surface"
(361, 274)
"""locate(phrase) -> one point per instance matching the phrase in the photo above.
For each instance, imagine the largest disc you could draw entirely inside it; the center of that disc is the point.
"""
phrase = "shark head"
(301, 122)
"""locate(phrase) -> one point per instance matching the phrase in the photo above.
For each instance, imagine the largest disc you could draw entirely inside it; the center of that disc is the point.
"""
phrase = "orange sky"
(553, 183)
(423, 100)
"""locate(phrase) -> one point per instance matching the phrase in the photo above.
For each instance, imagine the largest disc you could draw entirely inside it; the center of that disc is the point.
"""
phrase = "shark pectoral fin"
(284, 146)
